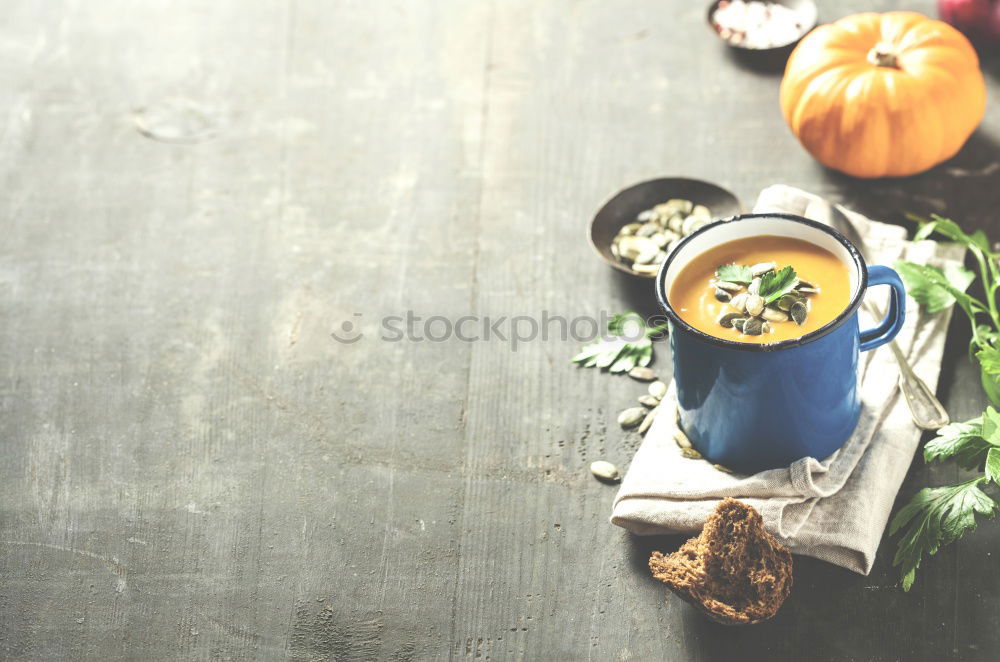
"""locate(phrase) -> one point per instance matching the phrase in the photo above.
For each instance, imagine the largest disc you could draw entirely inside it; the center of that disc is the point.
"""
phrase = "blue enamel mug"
(752, 407)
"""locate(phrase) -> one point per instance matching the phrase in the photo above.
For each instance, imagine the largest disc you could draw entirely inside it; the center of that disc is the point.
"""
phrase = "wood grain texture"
(193, 468)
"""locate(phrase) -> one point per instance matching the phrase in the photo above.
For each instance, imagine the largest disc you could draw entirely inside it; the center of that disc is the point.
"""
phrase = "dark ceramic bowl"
(806, 9)
(623, 207)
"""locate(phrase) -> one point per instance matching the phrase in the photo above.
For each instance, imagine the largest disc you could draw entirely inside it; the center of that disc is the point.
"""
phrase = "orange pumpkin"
(877, 95)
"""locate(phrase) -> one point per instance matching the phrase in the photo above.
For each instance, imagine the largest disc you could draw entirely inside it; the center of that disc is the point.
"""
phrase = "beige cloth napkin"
(833, 508)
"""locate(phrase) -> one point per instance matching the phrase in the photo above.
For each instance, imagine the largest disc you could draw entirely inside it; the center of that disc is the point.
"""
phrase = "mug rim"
(847, 313)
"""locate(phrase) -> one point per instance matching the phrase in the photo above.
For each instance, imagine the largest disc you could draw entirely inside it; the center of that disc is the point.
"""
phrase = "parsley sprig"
(937, 516)
(773, 284)
(630, 344)
(734, 273)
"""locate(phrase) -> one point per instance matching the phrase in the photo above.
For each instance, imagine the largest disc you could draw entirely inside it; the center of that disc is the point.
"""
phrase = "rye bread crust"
(735, 572)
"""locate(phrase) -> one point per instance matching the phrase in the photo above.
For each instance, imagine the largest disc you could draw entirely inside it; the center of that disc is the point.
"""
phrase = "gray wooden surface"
(192, 468)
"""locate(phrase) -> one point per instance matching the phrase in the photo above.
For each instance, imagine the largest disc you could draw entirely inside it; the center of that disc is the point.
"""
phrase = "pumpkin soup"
(761, 289)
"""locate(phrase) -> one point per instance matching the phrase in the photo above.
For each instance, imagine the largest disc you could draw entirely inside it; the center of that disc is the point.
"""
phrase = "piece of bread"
(734, 571)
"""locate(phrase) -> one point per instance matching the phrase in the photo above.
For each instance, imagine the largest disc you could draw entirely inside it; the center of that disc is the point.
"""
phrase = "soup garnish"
(761, 295)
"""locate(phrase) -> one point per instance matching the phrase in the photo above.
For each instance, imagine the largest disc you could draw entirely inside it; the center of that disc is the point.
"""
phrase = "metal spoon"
(926, 410)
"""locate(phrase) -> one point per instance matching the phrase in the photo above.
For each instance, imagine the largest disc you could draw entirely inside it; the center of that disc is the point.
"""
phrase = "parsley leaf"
(734, 273)
(991, 426)
(774, 284)
(951, 230)
(961, 441)
(933, 288)
(929, 285)
(631, 345)
(937, 516)
(989, 360)
(993, 465)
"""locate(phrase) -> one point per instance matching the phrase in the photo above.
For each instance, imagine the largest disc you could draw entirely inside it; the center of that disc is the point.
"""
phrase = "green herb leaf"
(774, 284)
(589, 352)
(989, 360)
(951, 230)
(628, 324)
(993, 465)
(935, 289)
(962, 442)
(631, 346)
(645, 354)
(937, 516)
(991, 426)
(734, 273)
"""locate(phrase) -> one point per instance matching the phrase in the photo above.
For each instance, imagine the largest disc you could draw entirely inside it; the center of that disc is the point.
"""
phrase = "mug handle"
(893, 322)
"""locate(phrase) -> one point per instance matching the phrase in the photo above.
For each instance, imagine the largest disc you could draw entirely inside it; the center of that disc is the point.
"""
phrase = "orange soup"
(761, 289)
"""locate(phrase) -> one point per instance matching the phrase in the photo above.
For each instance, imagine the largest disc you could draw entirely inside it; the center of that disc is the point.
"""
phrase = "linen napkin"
(833, 508)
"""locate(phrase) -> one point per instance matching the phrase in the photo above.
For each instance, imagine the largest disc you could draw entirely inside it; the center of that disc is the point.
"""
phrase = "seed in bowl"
(645, 244)
(756, 24)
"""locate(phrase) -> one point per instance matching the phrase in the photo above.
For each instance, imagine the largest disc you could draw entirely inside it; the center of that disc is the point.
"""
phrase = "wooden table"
(193, 468)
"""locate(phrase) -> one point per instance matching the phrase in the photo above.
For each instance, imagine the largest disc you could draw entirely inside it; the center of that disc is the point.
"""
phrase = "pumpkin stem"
(883, 55)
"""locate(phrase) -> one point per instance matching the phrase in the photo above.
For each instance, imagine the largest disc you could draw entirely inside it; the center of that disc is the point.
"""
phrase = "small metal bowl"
(806, 9)
(622, 208)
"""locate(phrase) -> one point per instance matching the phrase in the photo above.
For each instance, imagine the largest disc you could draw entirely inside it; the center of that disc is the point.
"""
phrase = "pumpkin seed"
(786, 301)
(681, 439)
(738, 323)
(631, 247)
(722, 295)
(702, 211)
(660, 239)
(642, 373)
(660, 257)
(739, 302)
(676, 223)
(691, 453)
(798, 312)
(629, 229)
(699, 225)
(755, 305)
(754, 326)
(803, 283)
(604, 470)
(658, 390)
(723, 469)
(762, 268)
(754, 286)
(727, 319)
(647, 215)
(774, 315)
(646, 422)
(765, 327)
(631, 417)
(648, 256)
(729, 287)
(807, 290)
(649, 401)
(680, 206)
(647, 230)
(646, 269)
(692, 223)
